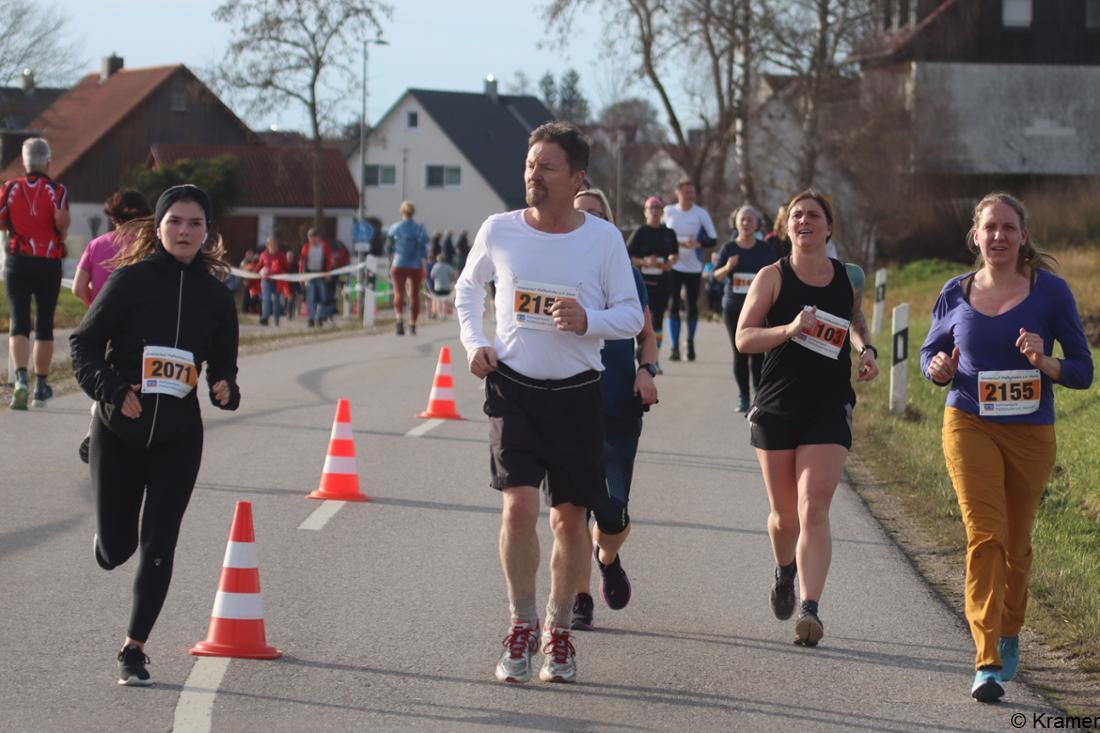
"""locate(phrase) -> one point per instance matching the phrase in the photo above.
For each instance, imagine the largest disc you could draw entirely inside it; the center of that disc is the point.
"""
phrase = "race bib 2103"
(827, 336)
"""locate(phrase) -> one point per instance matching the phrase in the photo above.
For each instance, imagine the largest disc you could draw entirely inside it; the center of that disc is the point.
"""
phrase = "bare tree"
(35, 37)
(300, 52)
(811, 40)
(697, 57)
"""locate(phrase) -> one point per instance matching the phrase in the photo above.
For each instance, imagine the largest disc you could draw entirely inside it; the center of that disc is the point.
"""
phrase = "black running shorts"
(39, 277)
(780, 432)
(548, 429)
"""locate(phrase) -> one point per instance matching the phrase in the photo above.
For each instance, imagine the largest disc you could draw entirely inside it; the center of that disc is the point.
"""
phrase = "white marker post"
(899, 363)
(880, 302)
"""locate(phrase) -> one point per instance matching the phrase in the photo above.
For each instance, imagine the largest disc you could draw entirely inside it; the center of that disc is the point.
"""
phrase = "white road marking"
(322, 514)
(424, 427)
(195, 707)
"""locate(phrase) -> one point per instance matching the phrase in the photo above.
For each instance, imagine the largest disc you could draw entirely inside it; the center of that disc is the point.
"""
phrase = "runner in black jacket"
(138, 353)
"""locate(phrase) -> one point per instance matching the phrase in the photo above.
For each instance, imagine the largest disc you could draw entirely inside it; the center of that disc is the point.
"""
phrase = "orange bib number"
(827, 336)
(1009, 392)
(168, 371)
(532, 302)
(740, 282)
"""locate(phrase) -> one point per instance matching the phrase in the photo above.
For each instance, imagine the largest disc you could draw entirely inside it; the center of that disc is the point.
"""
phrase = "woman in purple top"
(992, 335)
(93, 269)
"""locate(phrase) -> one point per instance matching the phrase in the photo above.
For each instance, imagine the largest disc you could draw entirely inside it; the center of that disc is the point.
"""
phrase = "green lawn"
(905, 453)
(68, 314)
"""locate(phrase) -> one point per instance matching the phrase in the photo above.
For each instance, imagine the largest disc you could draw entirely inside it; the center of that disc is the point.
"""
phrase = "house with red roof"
(119, 118)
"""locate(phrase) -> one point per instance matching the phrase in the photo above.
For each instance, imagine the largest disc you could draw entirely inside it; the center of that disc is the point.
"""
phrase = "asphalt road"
(390, 617)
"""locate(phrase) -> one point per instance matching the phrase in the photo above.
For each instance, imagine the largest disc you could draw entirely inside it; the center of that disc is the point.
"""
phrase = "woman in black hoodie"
(139, 353)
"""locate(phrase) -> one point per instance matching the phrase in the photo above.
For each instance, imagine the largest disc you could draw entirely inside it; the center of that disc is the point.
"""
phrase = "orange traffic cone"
(237, 621)
(441, 400)
(339, 477)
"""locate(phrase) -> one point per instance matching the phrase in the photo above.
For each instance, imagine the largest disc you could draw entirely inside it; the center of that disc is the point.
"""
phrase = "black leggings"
(658, 304)
(743, 364)
(164, 475)
(690, 281)
(32, 276)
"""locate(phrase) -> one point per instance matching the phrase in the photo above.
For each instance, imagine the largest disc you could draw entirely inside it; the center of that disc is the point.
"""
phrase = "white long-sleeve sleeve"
(622, 318)
(470, 294)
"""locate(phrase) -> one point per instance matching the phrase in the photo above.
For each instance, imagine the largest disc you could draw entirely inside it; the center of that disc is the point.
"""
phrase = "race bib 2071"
(168, 371)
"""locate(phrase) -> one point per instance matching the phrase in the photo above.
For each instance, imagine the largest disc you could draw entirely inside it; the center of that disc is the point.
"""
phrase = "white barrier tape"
(299, 276)
(341, 431)
(67, 283)
(340, 465)
(239, 606)
(240, 555)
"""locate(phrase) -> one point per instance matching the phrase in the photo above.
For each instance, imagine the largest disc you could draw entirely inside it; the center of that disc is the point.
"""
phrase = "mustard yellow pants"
(999, 471)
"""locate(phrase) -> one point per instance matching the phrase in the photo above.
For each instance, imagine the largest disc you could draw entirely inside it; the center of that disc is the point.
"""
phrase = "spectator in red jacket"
(35, 211)
(272, 262)
(315, 257)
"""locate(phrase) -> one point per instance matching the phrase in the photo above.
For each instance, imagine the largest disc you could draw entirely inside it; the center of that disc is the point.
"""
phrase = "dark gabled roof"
(275, 176)
(491, 134)
(894, 44)
(18, 107)
(88, 112)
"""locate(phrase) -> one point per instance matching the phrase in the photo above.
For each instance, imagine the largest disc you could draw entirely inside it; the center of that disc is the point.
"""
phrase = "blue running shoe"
(1010, 657)
(987, 685)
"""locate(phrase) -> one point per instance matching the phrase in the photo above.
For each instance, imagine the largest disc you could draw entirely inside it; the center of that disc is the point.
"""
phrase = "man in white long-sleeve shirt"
(563, 284)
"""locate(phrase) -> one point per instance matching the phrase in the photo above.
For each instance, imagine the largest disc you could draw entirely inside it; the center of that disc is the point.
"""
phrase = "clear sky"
(434, 44)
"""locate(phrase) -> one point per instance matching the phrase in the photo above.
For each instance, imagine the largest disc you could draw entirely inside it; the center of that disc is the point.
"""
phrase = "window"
(178, 99)
(1092, 15)
(384, 176)
(444, 176)
(1016, 13)
(412, 119)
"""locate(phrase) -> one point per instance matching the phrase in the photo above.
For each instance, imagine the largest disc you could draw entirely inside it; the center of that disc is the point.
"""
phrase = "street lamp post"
(362, 278)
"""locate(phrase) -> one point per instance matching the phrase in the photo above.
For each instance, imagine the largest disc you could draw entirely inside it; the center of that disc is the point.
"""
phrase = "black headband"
(185, 192)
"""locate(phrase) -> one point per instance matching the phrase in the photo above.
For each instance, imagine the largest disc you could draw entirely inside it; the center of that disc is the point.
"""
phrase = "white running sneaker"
(515, 663)
(560, 664)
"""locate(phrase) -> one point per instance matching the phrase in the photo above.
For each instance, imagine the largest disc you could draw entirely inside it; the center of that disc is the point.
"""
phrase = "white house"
(458, 156)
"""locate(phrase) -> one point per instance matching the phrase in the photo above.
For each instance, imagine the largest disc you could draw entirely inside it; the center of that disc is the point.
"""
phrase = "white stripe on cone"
(443, 370)
(442, 393)
(340, 464)
(240, 555)
(240, 606)
(342, 431)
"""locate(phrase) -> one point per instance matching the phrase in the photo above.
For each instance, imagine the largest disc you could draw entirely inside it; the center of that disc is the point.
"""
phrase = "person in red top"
(272, 262)
(35, 211)
(315, 257)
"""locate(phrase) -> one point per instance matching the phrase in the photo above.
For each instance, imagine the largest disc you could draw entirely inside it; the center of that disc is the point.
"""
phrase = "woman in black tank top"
(803, 312)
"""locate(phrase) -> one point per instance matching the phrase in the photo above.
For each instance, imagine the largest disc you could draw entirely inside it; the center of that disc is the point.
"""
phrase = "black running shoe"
(412, 329)
(43, 393)
(131, 667)
(783, 595)
(85, 445)
(583, 605)
(674, 354)
(691, 351)
(614, 585)
(808, 630)
(400, 328)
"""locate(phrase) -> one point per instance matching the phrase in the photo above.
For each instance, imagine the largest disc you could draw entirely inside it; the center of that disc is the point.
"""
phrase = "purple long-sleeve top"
(988, 343)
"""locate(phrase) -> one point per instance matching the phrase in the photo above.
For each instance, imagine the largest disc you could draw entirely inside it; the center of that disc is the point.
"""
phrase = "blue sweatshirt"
(988, 343)
(408, 243)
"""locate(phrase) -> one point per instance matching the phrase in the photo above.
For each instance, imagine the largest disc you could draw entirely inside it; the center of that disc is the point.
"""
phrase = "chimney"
(491, 87)
(109, 66)
(28, 82)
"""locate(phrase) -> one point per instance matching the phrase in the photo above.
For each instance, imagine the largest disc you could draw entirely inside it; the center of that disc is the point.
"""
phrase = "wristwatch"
(651, 368)
(869, 347)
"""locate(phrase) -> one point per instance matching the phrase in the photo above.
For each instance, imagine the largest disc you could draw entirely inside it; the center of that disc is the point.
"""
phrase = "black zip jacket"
(156, 302)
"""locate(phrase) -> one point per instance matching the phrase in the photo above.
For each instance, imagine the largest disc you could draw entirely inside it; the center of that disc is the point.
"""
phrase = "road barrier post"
(880, 302)
(899, 362)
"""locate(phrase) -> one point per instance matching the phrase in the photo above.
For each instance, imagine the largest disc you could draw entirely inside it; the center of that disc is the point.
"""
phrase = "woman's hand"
(868, 367)
(221, 392)
(806, 320)
(1031, 346)
(131, 405)
(942, 368)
